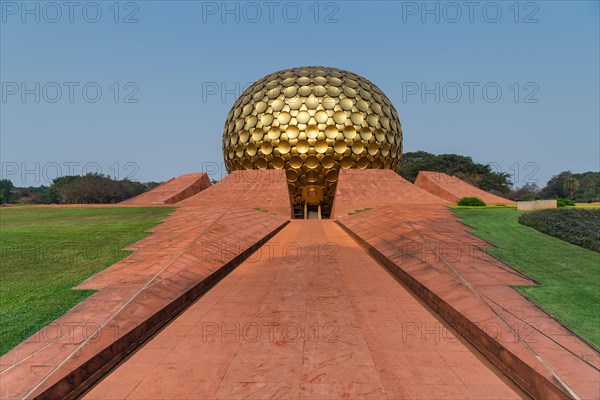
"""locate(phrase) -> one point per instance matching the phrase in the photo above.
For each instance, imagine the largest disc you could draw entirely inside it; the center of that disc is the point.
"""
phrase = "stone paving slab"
(172, 191)
(453, 189)
(430, 250)
(324, 321)
(189, 252)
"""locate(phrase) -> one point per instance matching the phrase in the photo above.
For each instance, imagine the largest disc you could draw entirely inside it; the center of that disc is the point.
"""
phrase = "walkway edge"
(78, 381)
(538, 386)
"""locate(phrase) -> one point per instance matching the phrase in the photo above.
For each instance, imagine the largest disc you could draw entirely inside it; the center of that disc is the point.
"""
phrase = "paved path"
(426, 245)
(310, 315)
(207, 235)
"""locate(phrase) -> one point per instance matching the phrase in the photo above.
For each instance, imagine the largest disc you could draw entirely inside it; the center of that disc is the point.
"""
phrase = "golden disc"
(274, 133)
(266, 148)
(349, 132)
(244, 136)
(346, 104)
(331, 176)
(366, 134)
(303, 117)
(340, 117)
(321, 117)
(296, 162)
(291, 175)
(257, 135)
(357, 147)
(261, 163)
(312, 102)
(312, 176)
(328, 162)
(251, 150)
(284, 147)
(292, 132)
(363, 163)
(284, 118)
(331, 132)
(277, 105)
(312, 131)
(321, 146)
(346, 162)
(311, 162)
(278, 163)
(302, 146)
(357, 118)
(340, 147)
(266, 119)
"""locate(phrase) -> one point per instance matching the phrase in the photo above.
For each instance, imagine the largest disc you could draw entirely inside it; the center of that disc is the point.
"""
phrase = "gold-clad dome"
(312, 121)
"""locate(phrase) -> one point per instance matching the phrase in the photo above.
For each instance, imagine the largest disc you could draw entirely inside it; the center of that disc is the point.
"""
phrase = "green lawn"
(45, 251)
(569, 275)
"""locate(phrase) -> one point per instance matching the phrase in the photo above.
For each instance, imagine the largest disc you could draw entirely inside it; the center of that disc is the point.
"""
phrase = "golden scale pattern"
(312, 121)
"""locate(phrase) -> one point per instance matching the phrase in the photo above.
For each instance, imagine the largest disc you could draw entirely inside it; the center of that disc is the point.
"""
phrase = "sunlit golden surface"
(312, 121)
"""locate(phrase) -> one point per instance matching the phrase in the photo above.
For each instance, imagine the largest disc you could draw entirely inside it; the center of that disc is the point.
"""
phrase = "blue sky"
(512, 84)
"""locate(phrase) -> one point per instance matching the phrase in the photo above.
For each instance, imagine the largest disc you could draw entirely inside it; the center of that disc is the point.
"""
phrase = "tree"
(527, 192)
(93, 188)
(571, 185)
(6, 187)
(463, 167)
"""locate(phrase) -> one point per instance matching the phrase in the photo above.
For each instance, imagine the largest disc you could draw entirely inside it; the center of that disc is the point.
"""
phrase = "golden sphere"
(312, 121)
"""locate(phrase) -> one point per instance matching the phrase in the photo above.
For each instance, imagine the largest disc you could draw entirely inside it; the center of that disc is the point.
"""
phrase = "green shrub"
(471, 202)
(564, 203)
(574, 225)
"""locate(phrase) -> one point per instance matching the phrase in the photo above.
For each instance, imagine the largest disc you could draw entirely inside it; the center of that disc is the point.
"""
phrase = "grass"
(569, 275)
(584, 205)
(46, 251)
(359, 211)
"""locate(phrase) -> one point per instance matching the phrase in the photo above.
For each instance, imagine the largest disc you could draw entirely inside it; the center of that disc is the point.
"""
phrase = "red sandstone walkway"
(311, 315)
(199, 242)
(429, 249)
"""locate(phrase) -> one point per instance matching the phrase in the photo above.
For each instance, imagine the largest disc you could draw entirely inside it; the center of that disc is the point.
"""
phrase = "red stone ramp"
(311, 316)
(453, 189)
(431, 251)
(172, 191)
(261, 189)
(195, 247)
(377, 189)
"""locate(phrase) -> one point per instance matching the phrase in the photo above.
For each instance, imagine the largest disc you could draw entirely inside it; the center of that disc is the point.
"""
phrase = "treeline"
(87, 189)
(96, 188)
(463, 167)
(582, 187)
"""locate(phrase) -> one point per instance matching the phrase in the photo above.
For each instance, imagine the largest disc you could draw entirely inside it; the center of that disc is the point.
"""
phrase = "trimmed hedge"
(580, 227)
(564, 203)
(471, 202)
